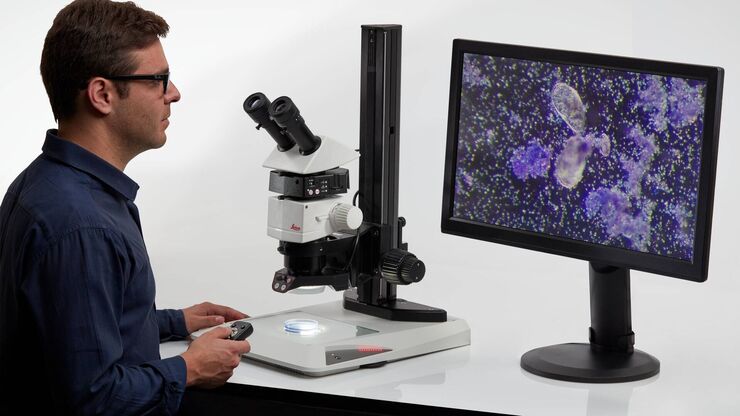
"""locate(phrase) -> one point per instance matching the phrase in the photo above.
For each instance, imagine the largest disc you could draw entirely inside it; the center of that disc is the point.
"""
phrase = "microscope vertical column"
(380, 101)
(382, 261)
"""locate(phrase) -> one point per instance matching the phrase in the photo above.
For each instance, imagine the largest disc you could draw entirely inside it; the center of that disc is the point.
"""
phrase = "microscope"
(308, 217)
(328, 239)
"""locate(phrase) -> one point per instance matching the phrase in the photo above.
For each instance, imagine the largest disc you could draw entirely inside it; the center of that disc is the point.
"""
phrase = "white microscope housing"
(300, 220)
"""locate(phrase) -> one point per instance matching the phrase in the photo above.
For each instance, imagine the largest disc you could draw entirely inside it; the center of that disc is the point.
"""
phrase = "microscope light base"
(345, 340)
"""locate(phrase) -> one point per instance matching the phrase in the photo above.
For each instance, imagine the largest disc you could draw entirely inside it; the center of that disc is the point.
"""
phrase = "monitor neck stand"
(610, 356)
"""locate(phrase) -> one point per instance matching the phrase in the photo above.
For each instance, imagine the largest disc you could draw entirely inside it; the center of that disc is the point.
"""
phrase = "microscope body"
(309, 205)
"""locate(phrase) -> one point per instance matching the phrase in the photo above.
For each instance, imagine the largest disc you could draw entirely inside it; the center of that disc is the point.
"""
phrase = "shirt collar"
(79, 158)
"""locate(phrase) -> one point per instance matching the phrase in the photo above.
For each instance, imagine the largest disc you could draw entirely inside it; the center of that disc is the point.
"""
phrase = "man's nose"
(173, 94)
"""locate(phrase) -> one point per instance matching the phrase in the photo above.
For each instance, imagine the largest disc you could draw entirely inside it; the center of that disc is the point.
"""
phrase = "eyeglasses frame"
(165, 78)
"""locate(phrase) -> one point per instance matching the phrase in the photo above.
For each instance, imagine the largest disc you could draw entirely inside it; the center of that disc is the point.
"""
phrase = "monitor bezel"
(696, 270)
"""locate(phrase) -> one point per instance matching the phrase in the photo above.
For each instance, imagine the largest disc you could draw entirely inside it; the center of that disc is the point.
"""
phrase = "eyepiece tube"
(287, 116)
(256, 106)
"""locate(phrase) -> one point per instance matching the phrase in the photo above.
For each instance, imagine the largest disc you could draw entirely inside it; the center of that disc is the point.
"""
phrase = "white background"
(203, 196)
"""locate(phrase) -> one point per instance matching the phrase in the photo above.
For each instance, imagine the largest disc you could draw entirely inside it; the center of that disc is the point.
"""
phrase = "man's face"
(142, 117)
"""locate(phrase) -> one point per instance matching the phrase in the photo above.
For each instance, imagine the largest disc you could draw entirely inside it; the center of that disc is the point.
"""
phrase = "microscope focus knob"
(401, 267)
(345, 217)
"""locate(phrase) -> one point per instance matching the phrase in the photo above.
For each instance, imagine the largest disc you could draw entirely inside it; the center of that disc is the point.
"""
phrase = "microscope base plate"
(345, 340)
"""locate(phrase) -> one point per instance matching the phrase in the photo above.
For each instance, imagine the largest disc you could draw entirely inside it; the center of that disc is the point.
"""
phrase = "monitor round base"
(579, 363)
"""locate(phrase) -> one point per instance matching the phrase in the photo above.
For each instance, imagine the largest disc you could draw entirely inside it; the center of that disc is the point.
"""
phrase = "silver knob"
(345, 217)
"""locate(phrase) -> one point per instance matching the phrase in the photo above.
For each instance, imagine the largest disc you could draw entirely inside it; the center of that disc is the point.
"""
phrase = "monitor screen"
(602, 158)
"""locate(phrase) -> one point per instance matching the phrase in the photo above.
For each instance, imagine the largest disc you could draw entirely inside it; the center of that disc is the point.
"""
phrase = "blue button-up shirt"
(79, 330)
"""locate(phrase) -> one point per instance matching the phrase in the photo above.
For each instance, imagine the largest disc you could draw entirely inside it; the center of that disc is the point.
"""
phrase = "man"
(79, 331)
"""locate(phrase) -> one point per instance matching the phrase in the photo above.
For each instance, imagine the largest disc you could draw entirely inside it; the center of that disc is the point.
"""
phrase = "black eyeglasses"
(165, 78)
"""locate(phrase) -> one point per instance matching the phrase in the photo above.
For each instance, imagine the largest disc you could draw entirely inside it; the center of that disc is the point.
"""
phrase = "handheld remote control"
(240, 330)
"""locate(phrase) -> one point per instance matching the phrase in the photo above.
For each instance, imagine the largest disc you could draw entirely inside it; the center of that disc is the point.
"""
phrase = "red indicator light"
(371, 348)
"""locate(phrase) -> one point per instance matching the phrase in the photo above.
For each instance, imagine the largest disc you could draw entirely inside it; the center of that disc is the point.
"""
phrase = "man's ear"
(100, 95)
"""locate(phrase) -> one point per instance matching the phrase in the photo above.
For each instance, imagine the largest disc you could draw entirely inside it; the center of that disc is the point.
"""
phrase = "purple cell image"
(685, 103)
(614, 211)
(571, 161)
(531, 161)
(601, 143)
(653, 99)
(569, 106)
(597, 155)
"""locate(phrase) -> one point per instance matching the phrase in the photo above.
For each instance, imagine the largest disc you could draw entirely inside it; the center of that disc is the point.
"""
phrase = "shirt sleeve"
(171, 324)
(75, 289)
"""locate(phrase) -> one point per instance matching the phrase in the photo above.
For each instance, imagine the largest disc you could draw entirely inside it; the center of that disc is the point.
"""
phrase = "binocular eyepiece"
(283, 121)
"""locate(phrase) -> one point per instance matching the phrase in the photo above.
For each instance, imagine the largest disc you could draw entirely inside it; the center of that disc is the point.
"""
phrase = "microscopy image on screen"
(591, 154)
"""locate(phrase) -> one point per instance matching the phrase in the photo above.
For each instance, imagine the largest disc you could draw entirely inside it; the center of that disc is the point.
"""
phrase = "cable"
(357, 236)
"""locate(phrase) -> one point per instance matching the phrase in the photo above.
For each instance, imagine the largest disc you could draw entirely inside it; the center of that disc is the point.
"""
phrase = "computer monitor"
(601, 158)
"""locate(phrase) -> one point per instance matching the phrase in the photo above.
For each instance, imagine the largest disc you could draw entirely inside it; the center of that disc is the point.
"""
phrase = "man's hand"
(211, 358)
(207, 314)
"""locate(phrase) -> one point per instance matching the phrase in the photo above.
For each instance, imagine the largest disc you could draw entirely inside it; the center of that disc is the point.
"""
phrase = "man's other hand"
(207, 314)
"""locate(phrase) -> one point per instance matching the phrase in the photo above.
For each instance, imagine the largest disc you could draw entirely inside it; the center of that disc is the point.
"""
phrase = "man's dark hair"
(92, 38)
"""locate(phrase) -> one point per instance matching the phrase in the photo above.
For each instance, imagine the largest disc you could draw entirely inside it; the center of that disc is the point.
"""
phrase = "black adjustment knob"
(401, 267)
